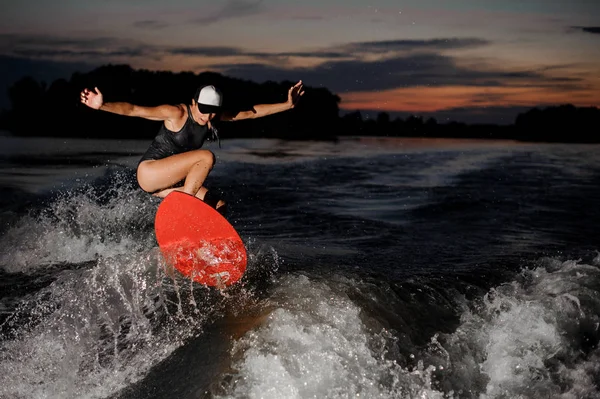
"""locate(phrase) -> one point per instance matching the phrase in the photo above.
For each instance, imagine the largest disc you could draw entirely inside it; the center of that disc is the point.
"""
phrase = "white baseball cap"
(209, 99)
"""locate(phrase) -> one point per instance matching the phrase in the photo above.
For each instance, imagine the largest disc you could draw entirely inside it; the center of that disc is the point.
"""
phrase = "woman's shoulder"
(182, 111)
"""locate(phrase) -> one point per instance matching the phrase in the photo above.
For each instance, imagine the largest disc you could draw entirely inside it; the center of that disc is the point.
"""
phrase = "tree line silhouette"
(41, 110)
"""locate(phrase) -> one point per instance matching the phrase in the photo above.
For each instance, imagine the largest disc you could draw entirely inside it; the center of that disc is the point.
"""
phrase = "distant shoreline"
(317, 117)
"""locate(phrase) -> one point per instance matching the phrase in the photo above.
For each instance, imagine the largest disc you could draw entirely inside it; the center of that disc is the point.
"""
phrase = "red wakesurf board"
(198, 241)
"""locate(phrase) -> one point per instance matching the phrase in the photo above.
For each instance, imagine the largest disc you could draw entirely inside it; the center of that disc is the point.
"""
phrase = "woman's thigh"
(153, 175)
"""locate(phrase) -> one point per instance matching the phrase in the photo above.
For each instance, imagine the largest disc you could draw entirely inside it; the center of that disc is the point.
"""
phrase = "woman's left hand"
(294, 94)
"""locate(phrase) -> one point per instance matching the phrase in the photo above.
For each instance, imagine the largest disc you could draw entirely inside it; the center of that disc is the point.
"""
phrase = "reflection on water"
(39, 164)
(42, 164)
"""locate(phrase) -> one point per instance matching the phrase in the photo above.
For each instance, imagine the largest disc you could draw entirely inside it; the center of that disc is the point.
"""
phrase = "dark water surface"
(387, 268)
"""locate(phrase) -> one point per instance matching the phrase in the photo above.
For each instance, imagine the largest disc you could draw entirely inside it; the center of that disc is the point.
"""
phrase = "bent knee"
(143, 177)
(206, 157)
(146, 188)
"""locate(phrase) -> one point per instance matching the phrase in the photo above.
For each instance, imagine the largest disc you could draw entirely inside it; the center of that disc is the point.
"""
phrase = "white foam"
(315, 345)
(524, 340)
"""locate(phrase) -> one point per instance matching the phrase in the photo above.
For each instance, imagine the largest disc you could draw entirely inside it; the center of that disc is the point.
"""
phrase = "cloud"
(14, 41)
(208, 51)
(106, 49)
(77, 54)
(589, 29)
(316, 54)
(306, 18)
(414, 45)
(102, 49)
(150, 24)
(232, 9)
(224, 51)
(94, 50)
(345, 51)
(431, 70)
(347, 68)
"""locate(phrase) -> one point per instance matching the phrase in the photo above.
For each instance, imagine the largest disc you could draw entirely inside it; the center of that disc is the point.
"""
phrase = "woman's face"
(199, 117)
(205, 118)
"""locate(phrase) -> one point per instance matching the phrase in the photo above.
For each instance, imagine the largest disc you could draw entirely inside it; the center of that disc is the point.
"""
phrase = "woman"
(175, 155)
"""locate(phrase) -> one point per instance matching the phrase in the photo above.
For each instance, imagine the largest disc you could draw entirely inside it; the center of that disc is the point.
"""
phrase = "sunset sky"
(466, 60)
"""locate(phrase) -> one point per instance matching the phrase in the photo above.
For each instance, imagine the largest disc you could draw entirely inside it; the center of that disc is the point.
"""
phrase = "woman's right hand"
(92, 98)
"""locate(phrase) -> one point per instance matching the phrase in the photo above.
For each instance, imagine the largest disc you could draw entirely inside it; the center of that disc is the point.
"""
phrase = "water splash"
(314, 343)
(79, 226)
(93, 332)
(100, 327)
(536, 335)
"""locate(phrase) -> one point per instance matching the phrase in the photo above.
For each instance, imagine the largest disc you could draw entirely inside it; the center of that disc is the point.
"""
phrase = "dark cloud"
(401, 63)
(12, 40)
(232, 9)
(97, 50)
(346, 51)
(316, 54)
(306, 18)
(414, 45)
(430, 70)
(103, 48)
(588, 29)
(223, 51)
(150, 25)
(97, 54)
(208, 51)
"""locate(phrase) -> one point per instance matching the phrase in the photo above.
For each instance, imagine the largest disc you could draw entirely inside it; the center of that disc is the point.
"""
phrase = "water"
(378, 268)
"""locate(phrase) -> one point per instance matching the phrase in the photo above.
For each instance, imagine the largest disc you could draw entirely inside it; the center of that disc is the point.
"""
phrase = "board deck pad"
(198, 241)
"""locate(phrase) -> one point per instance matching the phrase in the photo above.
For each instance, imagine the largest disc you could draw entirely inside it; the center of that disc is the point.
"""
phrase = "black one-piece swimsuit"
(166, 143)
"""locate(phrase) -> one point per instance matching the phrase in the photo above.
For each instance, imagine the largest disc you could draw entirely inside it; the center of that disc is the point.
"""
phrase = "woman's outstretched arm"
(260, 110)
(95, 100)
